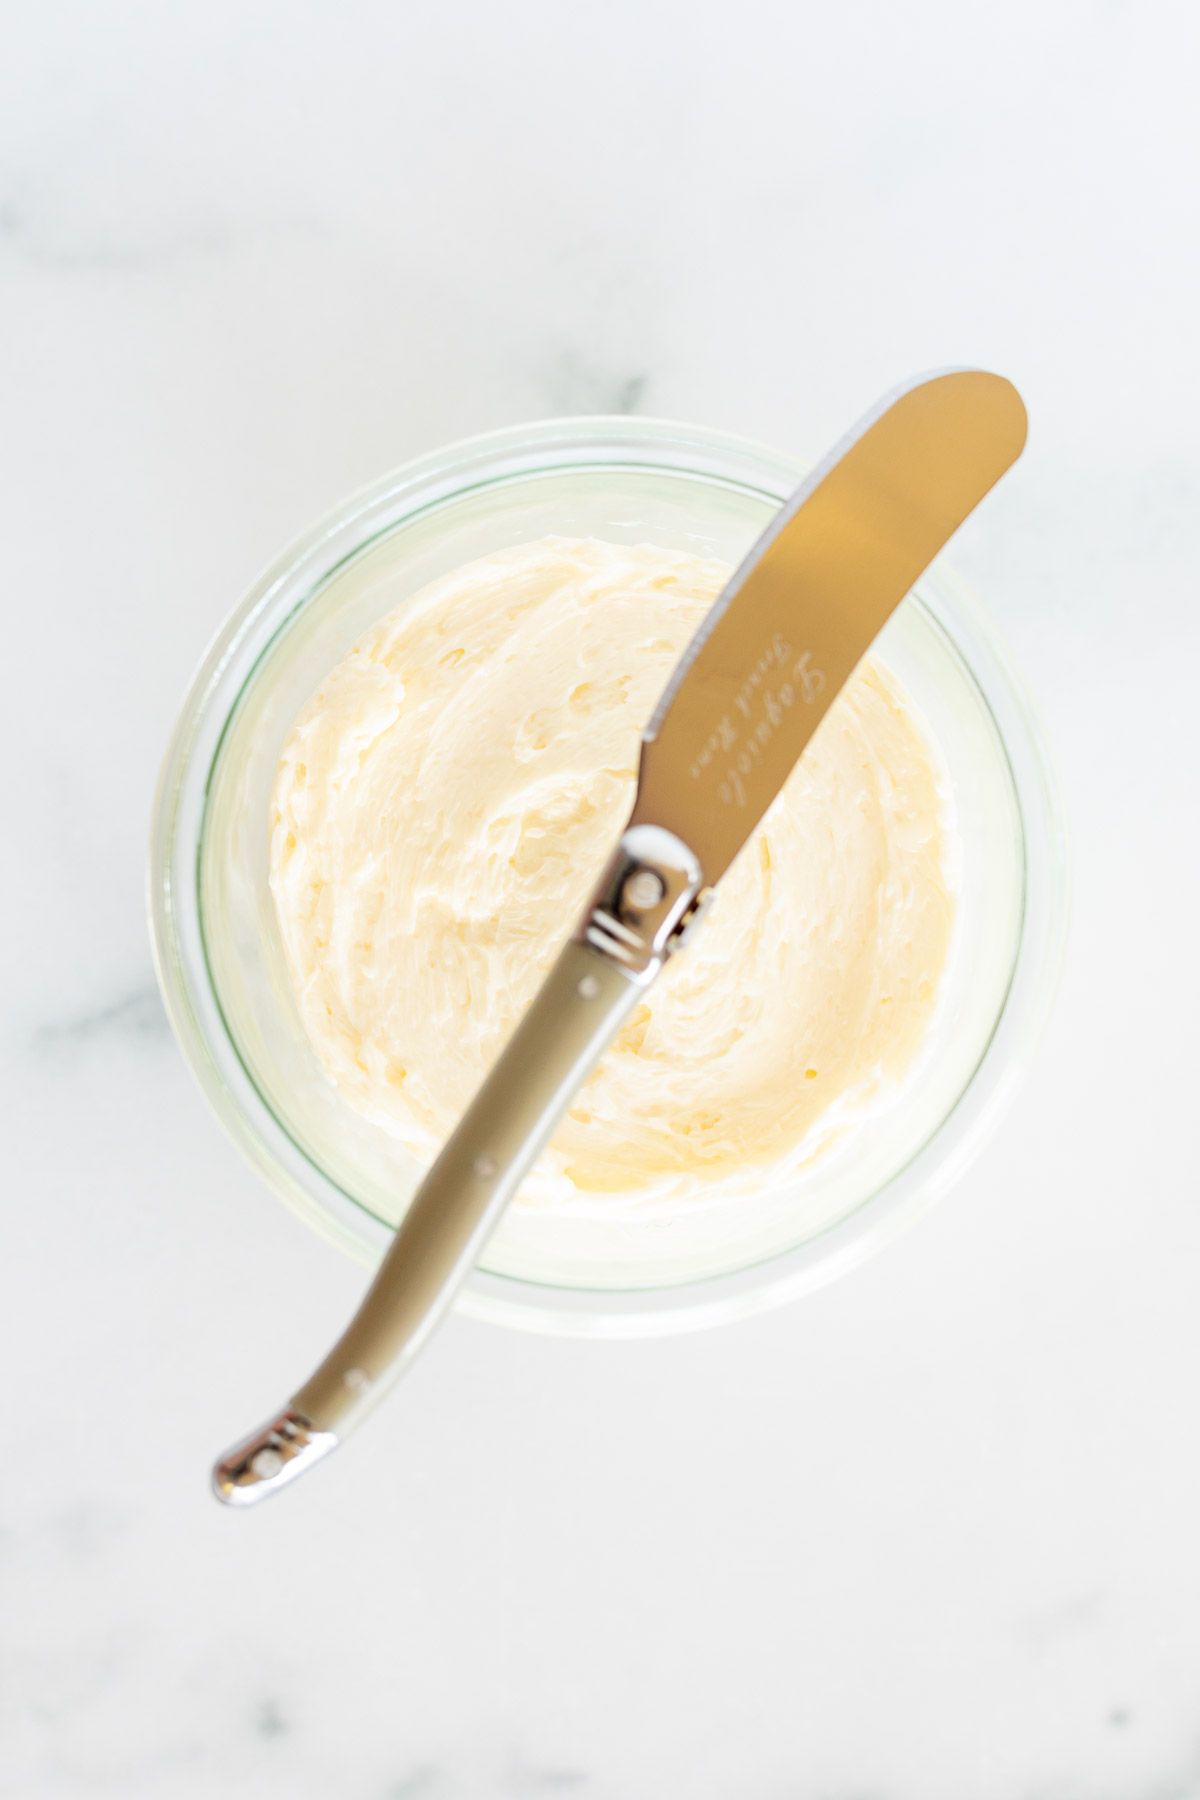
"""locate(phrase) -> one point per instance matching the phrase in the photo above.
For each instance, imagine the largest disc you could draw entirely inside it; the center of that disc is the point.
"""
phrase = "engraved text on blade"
(777, 681)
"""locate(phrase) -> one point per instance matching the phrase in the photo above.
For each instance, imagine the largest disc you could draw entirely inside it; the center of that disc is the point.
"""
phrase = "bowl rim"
(421, 486)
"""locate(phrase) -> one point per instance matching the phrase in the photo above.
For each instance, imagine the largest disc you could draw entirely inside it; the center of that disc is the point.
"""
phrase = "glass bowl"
(614, 1271)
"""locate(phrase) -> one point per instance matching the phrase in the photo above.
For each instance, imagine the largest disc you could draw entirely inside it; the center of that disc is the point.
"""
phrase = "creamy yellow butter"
(444, 803)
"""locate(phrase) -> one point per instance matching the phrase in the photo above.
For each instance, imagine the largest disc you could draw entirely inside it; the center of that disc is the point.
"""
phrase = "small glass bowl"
(220, 961)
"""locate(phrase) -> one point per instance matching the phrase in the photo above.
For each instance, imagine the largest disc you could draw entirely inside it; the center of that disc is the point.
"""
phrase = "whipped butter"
(443, 806)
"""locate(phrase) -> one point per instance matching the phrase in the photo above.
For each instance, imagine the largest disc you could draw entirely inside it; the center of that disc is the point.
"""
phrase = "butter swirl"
(443, 805)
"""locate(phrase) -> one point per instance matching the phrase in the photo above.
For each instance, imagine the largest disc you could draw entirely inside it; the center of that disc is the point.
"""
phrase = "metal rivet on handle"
(643, 889)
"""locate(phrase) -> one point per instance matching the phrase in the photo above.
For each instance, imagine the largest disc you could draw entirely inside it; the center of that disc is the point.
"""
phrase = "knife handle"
(576, 1013)
(573, 1018)
(649, 897)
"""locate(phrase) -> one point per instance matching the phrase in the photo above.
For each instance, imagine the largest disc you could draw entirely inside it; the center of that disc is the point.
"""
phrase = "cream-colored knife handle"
(648, 893)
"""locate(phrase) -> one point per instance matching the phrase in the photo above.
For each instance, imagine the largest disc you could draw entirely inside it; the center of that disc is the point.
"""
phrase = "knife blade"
(811, 597)
(753, 687)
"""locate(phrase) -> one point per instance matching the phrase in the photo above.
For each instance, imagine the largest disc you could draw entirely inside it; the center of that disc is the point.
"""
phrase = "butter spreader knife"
(759, 676)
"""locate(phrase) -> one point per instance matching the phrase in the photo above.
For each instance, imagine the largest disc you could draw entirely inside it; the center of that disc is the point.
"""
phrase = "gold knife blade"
(808, 601)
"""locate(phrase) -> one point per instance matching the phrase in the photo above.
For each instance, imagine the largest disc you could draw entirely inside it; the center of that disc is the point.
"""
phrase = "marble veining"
(135, 1013)
(59, 253)
(270, 1720)
(1062, 1618)
(57, 234)
(930, 1535)
(574, 383)
(421, 1783)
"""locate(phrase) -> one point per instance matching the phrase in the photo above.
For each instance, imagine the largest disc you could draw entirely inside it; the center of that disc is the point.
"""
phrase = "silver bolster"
(649, 897)
(272, 1457)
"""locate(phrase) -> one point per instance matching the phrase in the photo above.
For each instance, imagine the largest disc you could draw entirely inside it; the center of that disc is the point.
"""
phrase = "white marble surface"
(932, 1534)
